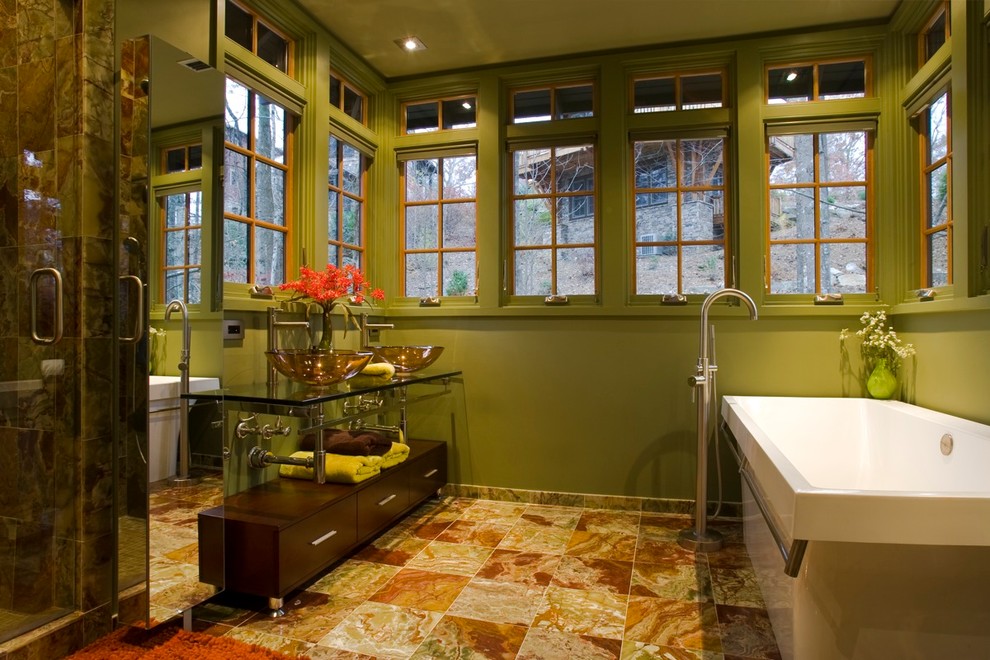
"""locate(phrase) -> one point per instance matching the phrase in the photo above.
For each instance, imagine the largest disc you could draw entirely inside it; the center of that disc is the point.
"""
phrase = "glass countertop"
(296, 394)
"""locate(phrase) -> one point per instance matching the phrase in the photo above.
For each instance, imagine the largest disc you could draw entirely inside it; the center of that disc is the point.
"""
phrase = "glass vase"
(882, 383)
(326, 339)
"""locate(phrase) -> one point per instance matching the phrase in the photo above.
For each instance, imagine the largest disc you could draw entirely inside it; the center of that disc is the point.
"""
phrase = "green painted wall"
(596, 400)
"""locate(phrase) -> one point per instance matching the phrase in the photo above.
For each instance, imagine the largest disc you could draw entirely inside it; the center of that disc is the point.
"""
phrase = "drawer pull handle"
(387, 500)
(430, 473)
(323, 538)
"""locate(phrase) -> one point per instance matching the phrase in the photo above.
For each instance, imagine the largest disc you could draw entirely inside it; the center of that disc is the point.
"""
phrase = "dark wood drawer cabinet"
(277, 536)
(383, 501)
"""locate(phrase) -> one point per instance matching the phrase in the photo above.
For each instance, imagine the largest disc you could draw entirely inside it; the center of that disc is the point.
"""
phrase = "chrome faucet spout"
(186, 335)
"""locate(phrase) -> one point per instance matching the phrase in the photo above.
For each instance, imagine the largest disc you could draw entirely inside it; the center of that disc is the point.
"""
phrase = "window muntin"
(687, 91)
(247, 29)
(936, 32)
(819, 224)
(552, 103)
(347, 98)
(256, 184)
(439, 226)
(819, 81)
(554, 230)
(679, 191)
(346, 204)
(936, 172)
(441, 114)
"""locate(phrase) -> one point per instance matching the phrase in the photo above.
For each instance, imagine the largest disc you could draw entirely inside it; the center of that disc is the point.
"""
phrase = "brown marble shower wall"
(57, 211)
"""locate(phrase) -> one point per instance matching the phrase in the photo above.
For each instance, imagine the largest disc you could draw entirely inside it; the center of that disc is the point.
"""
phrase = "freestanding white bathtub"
(882, 510)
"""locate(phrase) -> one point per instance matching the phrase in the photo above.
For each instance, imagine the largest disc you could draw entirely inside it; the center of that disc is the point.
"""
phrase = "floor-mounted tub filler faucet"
(699, 538)
(182, 478)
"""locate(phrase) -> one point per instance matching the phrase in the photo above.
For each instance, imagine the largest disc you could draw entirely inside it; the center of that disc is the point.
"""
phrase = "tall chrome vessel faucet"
(182, 478)
(701, 539)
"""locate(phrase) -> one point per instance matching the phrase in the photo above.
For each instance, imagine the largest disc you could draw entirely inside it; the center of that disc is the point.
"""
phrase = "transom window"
(692, 91)
(248, 29)
(345, 97)
(439, 226)
(550, 103)
(935, 33)
(554, 236)
(679, 190)
(345, 221)
(818, 81)
(185, 158)
(443, 114)
(256, 181)
(936, 171)
(819, 224)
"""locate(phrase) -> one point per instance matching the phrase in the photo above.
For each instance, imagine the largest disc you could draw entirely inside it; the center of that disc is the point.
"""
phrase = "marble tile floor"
(464, 578)
(173, 543)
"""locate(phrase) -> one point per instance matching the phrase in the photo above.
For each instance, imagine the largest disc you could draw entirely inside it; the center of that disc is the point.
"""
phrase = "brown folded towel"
(340, 441)
(378, 445)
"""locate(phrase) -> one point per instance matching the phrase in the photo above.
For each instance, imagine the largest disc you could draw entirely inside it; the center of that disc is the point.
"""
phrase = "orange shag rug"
(172, 643)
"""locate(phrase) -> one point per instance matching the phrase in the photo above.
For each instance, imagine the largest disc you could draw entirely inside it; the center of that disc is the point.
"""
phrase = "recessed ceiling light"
(466, 105)
(791, 76)
(410, 44)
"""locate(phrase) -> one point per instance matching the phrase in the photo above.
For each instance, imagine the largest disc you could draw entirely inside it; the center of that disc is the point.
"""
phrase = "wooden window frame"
(941, 10)
(678, 190)
(288, 167)
(346, 84)
(185, 230)
(868, 241)
(927, 167)
(440, 202)
(439, 103)
(678, 95)
(867, 60)
(336, 248)
(552, 88)
(256, 17)
(553, 246)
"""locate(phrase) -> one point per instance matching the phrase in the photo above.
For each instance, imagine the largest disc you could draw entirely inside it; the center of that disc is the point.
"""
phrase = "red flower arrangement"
(327, 287)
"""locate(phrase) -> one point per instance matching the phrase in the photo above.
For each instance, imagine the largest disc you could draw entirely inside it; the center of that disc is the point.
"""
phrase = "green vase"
(882, 383)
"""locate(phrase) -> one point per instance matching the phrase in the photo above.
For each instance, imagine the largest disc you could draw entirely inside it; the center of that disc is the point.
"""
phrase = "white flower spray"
(879, 341)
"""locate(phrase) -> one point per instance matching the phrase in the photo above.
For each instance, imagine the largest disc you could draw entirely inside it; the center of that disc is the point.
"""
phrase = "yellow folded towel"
(398, 453)
(383, 370)
(340, 469)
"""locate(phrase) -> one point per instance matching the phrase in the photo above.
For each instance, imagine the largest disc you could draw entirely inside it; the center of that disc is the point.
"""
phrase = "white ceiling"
(463, 34)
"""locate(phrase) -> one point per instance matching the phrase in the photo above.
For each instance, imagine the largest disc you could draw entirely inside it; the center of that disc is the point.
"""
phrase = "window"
(820, 81)
(446, 114)
(439, 225)
(936, 172)
(554, 242)
(346, 98)
(679, 191)
(345, 221)
(935, 33)
(819, 224)
(553, 103)
(679, 92)
(247, 29)
(257, 174)
(182, 245)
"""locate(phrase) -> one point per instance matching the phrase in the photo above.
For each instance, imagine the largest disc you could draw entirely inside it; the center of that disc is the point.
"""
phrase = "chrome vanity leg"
(275, 607)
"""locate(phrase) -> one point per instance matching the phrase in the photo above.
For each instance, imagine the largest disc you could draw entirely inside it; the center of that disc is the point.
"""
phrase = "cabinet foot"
(275, 607)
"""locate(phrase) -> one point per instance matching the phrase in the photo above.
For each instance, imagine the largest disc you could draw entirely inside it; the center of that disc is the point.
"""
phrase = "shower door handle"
(139, 315)
(58, 317)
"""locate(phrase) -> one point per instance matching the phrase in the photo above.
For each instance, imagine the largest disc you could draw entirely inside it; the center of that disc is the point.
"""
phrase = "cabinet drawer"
(428, 474)
(383, 500)
(316, 541)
